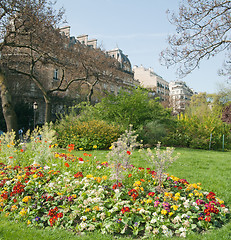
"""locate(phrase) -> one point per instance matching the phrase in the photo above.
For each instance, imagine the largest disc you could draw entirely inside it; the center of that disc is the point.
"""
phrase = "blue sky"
(140, 29)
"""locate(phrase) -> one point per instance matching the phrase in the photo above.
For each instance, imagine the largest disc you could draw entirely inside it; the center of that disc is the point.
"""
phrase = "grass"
(212, 169)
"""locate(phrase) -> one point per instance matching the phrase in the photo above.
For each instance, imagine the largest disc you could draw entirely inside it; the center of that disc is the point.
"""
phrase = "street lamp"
(35, 107)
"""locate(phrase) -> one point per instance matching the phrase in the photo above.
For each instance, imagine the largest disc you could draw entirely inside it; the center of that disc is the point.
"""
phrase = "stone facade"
(150, 80)
(24, 89)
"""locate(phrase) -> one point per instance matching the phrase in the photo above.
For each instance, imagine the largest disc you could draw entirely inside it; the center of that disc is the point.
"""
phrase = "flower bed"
(82, 197)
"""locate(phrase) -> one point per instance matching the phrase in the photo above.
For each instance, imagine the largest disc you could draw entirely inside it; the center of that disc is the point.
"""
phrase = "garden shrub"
(152, 132)
(134, 108)
(195, 132)
(86, 134)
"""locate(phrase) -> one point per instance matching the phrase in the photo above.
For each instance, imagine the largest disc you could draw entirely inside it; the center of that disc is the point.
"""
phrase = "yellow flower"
(89, 176)
(190, 194)
(164, 212)
(149, 200)
(104, 177)
(170, 214)
(22, 212)
(13, 208)
(142, 189)
(87, 210)
(74, 196)
(28, 222)
(137, 184)
(177, 194)
(59, 193)
(26, 199)
(175, 198)
(175, 207)
(110, 147)
(35, 176)
(94, 146)
(81, 149)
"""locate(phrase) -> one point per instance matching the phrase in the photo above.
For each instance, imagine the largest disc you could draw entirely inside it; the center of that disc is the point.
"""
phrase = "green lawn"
(212, 169)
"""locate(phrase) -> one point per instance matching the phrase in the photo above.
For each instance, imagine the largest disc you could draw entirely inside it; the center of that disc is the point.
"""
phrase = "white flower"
(117, 190)
(154, 214)
(184, 215)
(226, 210)
(46, 167)
(8, 182)
(164, 228)
(83, 225)
(155, 231)
(84, 218)
(183, 234)
(153, 220)
(142, 211)
(182, 229)
(183, 198)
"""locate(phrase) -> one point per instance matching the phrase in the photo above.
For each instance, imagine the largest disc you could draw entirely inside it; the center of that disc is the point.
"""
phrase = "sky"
(140, 29)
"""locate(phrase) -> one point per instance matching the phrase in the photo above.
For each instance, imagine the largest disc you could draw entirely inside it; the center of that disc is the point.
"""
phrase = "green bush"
(86, 134)
(152, 132)
(195, 133)
(134, 108)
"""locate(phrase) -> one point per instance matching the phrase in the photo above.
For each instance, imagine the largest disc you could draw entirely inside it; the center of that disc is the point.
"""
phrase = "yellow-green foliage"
(87, 135)
(195, 132)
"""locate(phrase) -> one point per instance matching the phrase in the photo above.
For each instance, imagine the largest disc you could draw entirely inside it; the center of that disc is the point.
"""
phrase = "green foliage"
(34, 148)
(152, 132)
(195, 132)
(86, 134)
(128, 108)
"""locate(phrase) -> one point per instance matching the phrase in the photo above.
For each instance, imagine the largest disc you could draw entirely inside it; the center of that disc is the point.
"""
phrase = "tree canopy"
(202, 31)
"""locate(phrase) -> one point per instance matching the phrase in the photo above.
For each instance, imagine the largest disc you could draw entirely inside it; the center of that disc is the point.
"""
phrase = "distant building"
(150, 80)
(180, 96)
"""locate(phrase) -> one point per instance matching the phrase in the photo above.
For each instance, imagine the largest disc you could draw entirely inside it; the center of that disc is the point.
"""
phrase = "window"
(55, 77)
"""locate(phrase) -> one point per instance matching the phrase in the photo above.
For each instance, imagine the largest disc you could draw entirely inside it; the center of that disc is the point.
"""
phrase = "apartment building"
(180, 96)
(151, 80)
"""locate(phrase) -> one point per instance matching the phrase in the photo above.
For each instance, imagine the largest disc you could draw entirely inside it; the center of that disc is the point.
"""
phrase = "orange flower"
(22, 150)
(10, 157)
(85, 154)
(129, 175)
(142, 180)
(66, 164)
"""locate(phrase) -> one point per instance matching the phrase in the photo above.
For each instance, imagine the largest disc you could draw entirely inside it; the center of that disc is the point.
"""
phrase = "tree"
(203, 30)
(20, 22)
(32, 41)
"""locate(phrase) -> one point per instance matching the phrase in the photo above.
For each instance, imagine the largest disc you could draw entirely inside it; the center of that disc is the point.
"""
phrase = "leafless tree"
(202, 31)
(31, 40)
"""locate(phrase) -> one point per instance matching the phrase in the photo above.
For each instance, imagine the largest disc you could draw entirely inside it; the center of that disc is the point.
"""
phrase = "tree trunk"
(7, 107)
(89, 96)
(48, 109)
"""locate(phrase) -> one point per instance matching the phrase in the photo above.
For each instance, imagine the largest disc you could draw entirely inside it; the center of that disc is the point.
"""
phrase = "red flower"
(208, 219)
(125, 209)
(151, 194)
(59, 215)
(78, 175)
(66, 164)
(129, 175)
(133, 193)
(211, 195)
(128, 152)
(22, 150)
